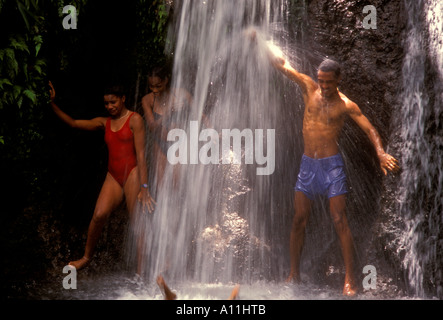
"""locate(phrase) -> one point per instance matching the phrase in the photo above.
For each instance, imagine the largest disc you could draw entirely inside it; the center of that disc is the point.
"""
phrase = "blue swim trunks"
(322, 176)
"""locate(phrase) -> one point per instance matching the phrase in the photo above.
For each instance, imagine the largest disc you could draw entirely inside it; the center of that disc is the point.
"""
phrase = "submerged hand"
(148, 203)
(388, 162)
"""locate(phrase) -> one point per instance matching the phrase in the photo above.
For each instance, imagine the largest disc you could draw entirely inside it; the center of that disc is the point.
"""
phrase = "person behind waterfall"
(127, 176)
(162, 108)
(322, 167)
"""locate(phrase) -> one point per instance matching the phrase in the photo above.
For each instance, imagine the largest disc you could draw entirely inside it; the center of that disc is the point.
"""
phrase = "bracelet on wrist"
(144, 185)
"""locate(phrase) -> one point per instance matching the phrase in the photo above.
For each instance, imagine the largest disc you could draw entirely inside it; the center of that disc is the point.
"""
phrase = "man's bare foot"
(167, 293)
(349, 290)
(81, 263)
(293, 279)
(234, 293)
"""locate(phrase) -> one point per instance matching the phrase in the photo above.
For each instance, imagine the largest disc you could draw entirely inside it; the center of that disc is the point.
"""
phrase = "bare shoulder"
(182, 93)
(136, 120)
(136, 117)
(351, 107)
(148, 100)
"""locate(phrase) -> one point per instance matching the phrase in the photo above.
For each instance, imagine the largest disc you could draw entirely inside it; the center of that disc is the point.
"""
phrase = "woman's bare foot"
(81, 263)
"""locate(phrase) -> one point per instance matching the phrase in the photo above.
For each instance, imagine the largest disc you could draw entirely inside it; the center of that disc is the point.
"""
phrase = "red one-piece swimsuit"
(121, 150)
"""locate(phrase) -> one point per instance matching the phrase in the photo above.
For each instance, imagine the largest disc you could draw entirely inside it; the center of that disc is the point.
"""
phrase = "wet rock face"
(371, 58)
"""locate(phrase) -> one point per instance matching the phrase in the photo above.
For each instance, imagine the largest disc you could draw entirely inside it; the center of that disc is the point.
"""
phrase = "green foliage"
(21, 71)
(27, 9)
(153, 19)
(32, 37)
(22, 85)
(78, 4)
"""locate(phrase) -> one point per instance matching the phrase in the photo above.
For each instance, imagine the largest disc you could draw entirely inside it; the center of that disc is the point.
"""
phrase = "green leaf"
(19, 44)
(30, 95)
(23, 12)
(16, 90)
(4, 81)
(19, 104)
(11, 62)
(37, 48)
(38, 40)
(2, 140)
(38, 69)
(40, 62)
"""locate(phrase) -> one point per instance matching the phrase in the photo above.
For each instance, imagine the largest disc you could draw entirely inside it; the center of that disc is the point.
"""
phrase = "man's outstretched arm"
(387, 162)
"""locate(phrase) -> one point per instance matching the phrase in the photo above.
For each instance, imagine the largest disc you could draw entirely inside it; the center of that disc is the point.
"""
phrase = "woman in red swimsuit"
(127, 175)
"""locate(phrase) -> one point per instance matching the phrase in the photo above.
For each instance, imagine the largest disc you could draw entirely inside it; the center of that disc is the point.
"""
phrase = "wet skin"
(112, 194)
(326, 110)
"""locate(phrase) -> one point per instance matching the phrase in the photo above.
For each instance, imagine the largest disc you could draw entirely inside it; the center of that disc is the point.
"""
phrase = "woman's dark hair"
(162, 72)
(329, 65)
(117, 90)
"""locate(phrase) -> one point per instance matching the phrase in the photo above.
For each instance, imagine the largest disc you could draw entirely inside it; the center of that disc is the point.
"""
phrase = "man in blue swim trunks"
(322, 167)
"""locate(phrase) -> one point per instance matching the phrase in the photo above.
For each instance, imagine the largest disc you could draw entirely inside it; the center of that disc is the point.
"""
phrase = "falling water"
(420, 198)
(223, 223)
(215, 224)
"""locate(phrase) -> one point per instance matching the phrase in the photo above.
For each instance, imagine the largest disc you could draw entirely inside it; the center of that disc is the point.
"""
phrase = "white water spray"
(217, 224)
(420, 195)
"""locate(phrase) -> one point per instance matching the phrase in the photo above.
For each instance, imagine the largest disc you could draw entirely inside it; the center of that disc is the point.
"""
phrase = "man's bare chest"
(323, 112)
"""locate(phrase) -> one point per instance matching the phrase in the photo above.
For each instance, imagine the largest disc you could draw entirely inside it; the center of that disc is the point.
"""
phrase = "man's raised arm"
(306, 83)
(275, 56)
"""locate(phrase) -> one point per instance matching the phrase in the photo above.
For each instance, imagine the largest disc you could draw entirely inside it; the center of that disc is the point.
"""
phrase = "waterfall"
(420, 200)
(224, 222)
(219, 222)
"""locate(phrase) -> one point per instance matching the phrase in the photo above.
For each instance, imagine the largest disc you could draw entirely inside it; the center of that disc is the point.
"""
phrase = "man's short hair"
(329, 65)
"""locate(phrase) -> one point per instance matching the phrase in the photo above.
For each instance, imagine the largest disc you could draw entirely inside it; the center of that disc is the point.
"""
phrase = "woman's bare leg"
(110, 197)
(132, 189)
